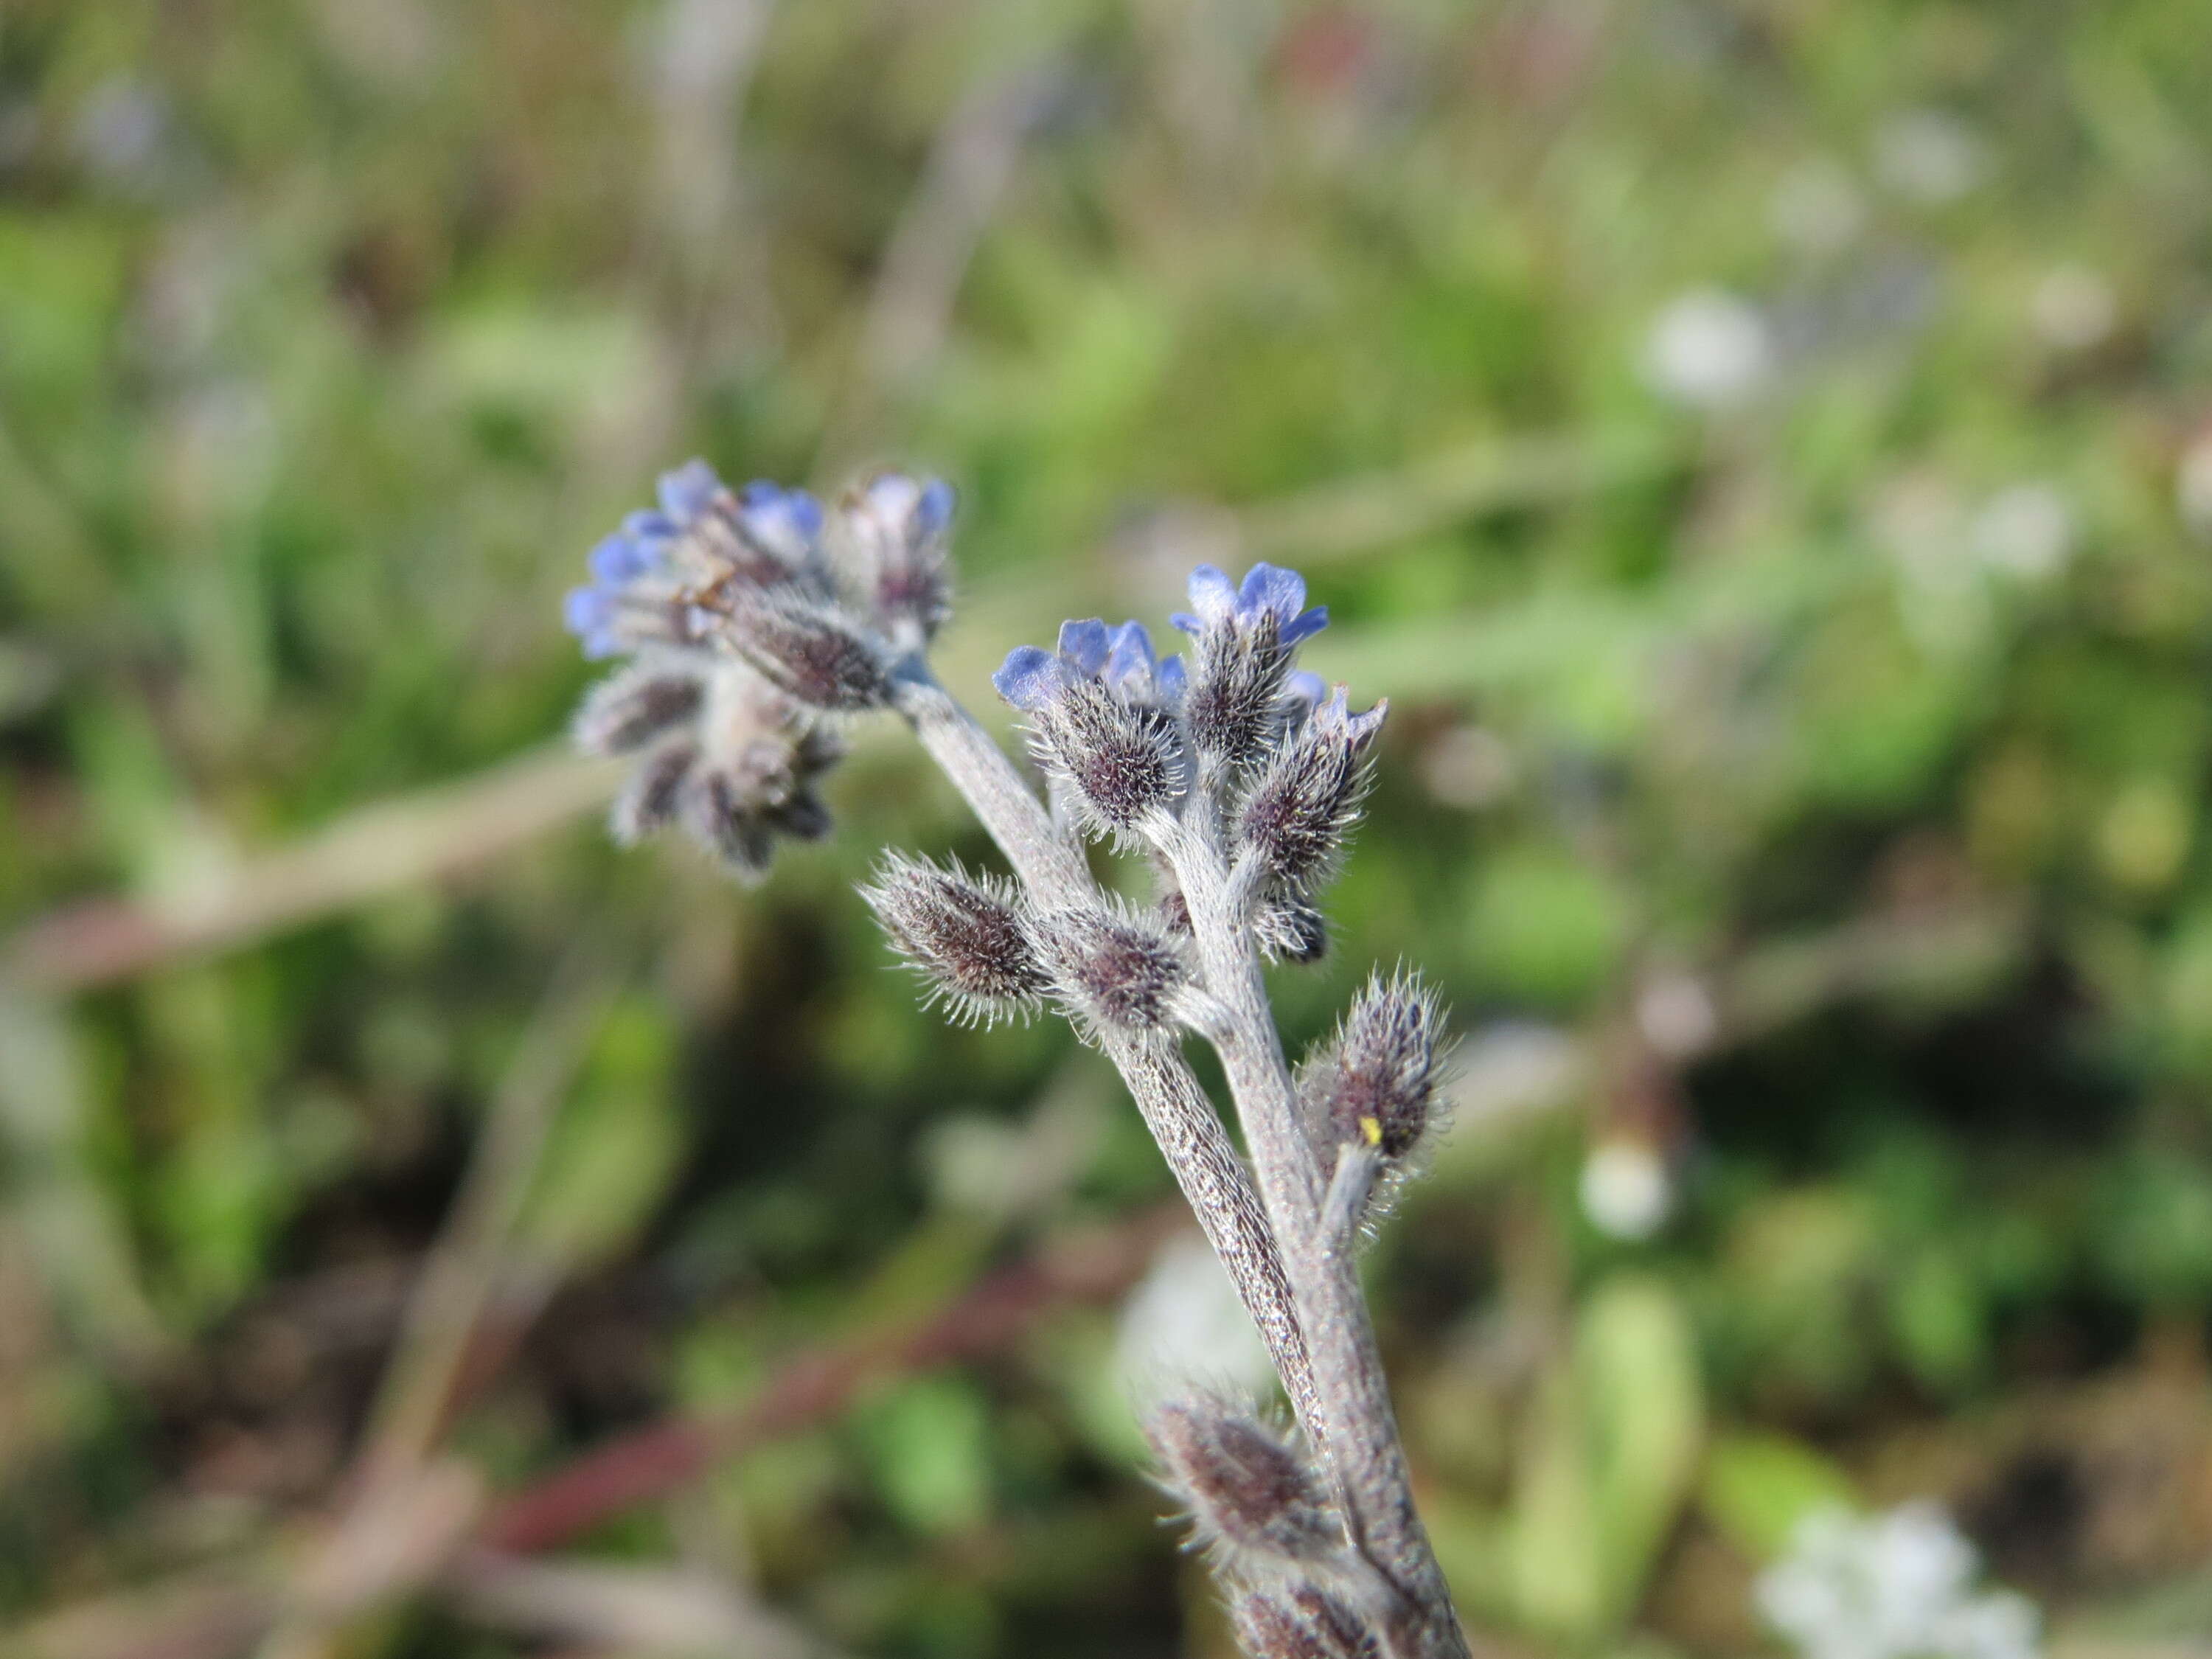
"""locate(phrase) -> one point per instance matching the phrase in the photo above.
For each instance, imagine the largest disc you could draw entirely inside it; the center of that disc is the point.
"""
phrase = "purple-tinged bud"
(1375, 1081)
(725, 755)
(641, 704)
(1109, 970)
(720, 818)
(895, 531)
(965, 933)
(1248, 1489)
(809, 650)
(1288, 929)
(1296, 815)
(651, 798)
(1101, 714)
(1308, 1623)
(1241, 642)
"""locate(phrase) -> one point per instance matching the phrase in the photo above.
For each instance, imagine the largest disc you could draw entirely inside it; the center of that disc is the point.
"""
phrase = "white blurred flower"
(2192, 485)
(1818, 207)
(1709, 349)
(2073, 309)
(2024, 530)
(1184, 1324)
(1930, 155)
(1893, 1586)
(1625, 1191)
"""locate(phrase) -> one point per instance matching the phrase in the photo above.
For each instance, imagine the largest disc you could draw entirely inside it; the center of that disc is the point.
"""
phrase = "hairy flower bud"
(1296, 815)
(1290, 930)
(1243, 638)
(654, 696)
(1109, 970)
(809, 650)
(725, 755)
(1375, 1081)
(1101, 711)
(1307, 1623)
(965, 933)
(654, 579)
(1248, 1489)
(894, 529)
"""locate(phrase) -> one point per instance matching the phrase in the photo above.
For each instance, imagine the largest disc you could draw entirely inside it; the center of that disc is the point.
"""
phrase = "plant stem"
(1361, 1431)
(1175, 1108)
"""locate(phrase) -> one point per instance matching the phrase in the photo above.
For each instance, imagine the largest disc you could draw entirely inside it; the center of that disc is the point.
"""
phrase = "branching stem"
(1361, 1432)
(1049, 861)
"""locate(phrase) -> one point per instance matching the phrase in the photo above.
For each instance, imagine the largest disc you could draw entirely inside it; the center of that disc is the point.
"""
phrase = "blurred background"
(1762, 448)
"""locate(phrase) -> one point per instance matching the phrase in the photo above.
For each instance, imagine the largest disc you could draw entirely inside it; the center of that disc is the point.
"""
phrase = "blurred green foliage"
(1729, 684)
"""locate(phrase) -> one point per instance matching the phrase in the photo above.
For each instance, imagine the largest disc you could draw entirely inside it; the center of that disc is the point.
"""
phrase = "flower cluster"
(752, 618)
(755, 622)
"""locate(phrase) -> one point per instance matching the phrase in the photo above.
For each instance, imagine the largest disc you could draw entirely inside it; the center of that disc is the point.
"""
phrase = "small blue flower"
(786, 521)
(900, 499)
(1120, 658)
(1133, 675)
(689, 491)
(641, 573)
(1267, 590)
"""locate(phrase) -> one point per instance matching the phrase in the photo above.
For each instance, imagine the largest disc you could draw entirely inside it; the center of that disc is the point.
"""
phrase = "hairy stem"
(1361, 1431)
(1175, 1108)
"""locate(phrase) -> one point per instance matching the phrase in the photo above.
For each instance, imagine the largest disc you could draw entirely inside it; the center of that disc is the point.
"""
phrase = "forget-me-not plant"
(754, 623)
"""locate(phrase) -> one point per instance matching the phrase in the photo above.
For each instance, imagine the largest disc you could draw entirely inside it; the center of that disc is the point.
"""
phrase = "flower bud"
(965, 934)
(1290, 930)
(650, 798)
(1101, 711)
(629, 710)
(1296, 815)
(1109, 970)
(1122, 763)
(1242, 643)
(808, 650)
(1307, 1623)
(895, 531)
(1375, 1080)
(1248, 1489)
(734, 763)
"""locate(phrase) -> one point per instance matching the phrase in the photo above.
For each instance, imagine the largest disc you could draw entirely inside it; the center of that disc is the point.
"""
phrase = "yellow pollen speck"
(1372, 1129)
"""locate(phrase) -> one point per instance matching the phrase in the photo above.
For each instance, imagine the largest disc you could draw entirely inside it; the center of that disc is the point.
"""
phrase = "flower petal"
(1212, 601)
(1270, 587)
(1085, 644)
(935, 509)
(1306, 626)
(1030, 677)
(688, 490)
(1131, 658)
(620, 559)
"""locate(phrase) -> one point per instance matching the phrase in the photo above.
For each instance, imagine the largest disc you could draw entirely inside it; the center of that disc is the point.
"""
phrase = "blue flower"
(788, 521)
(698, 531)
(1268, 590)
(1120, 658)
